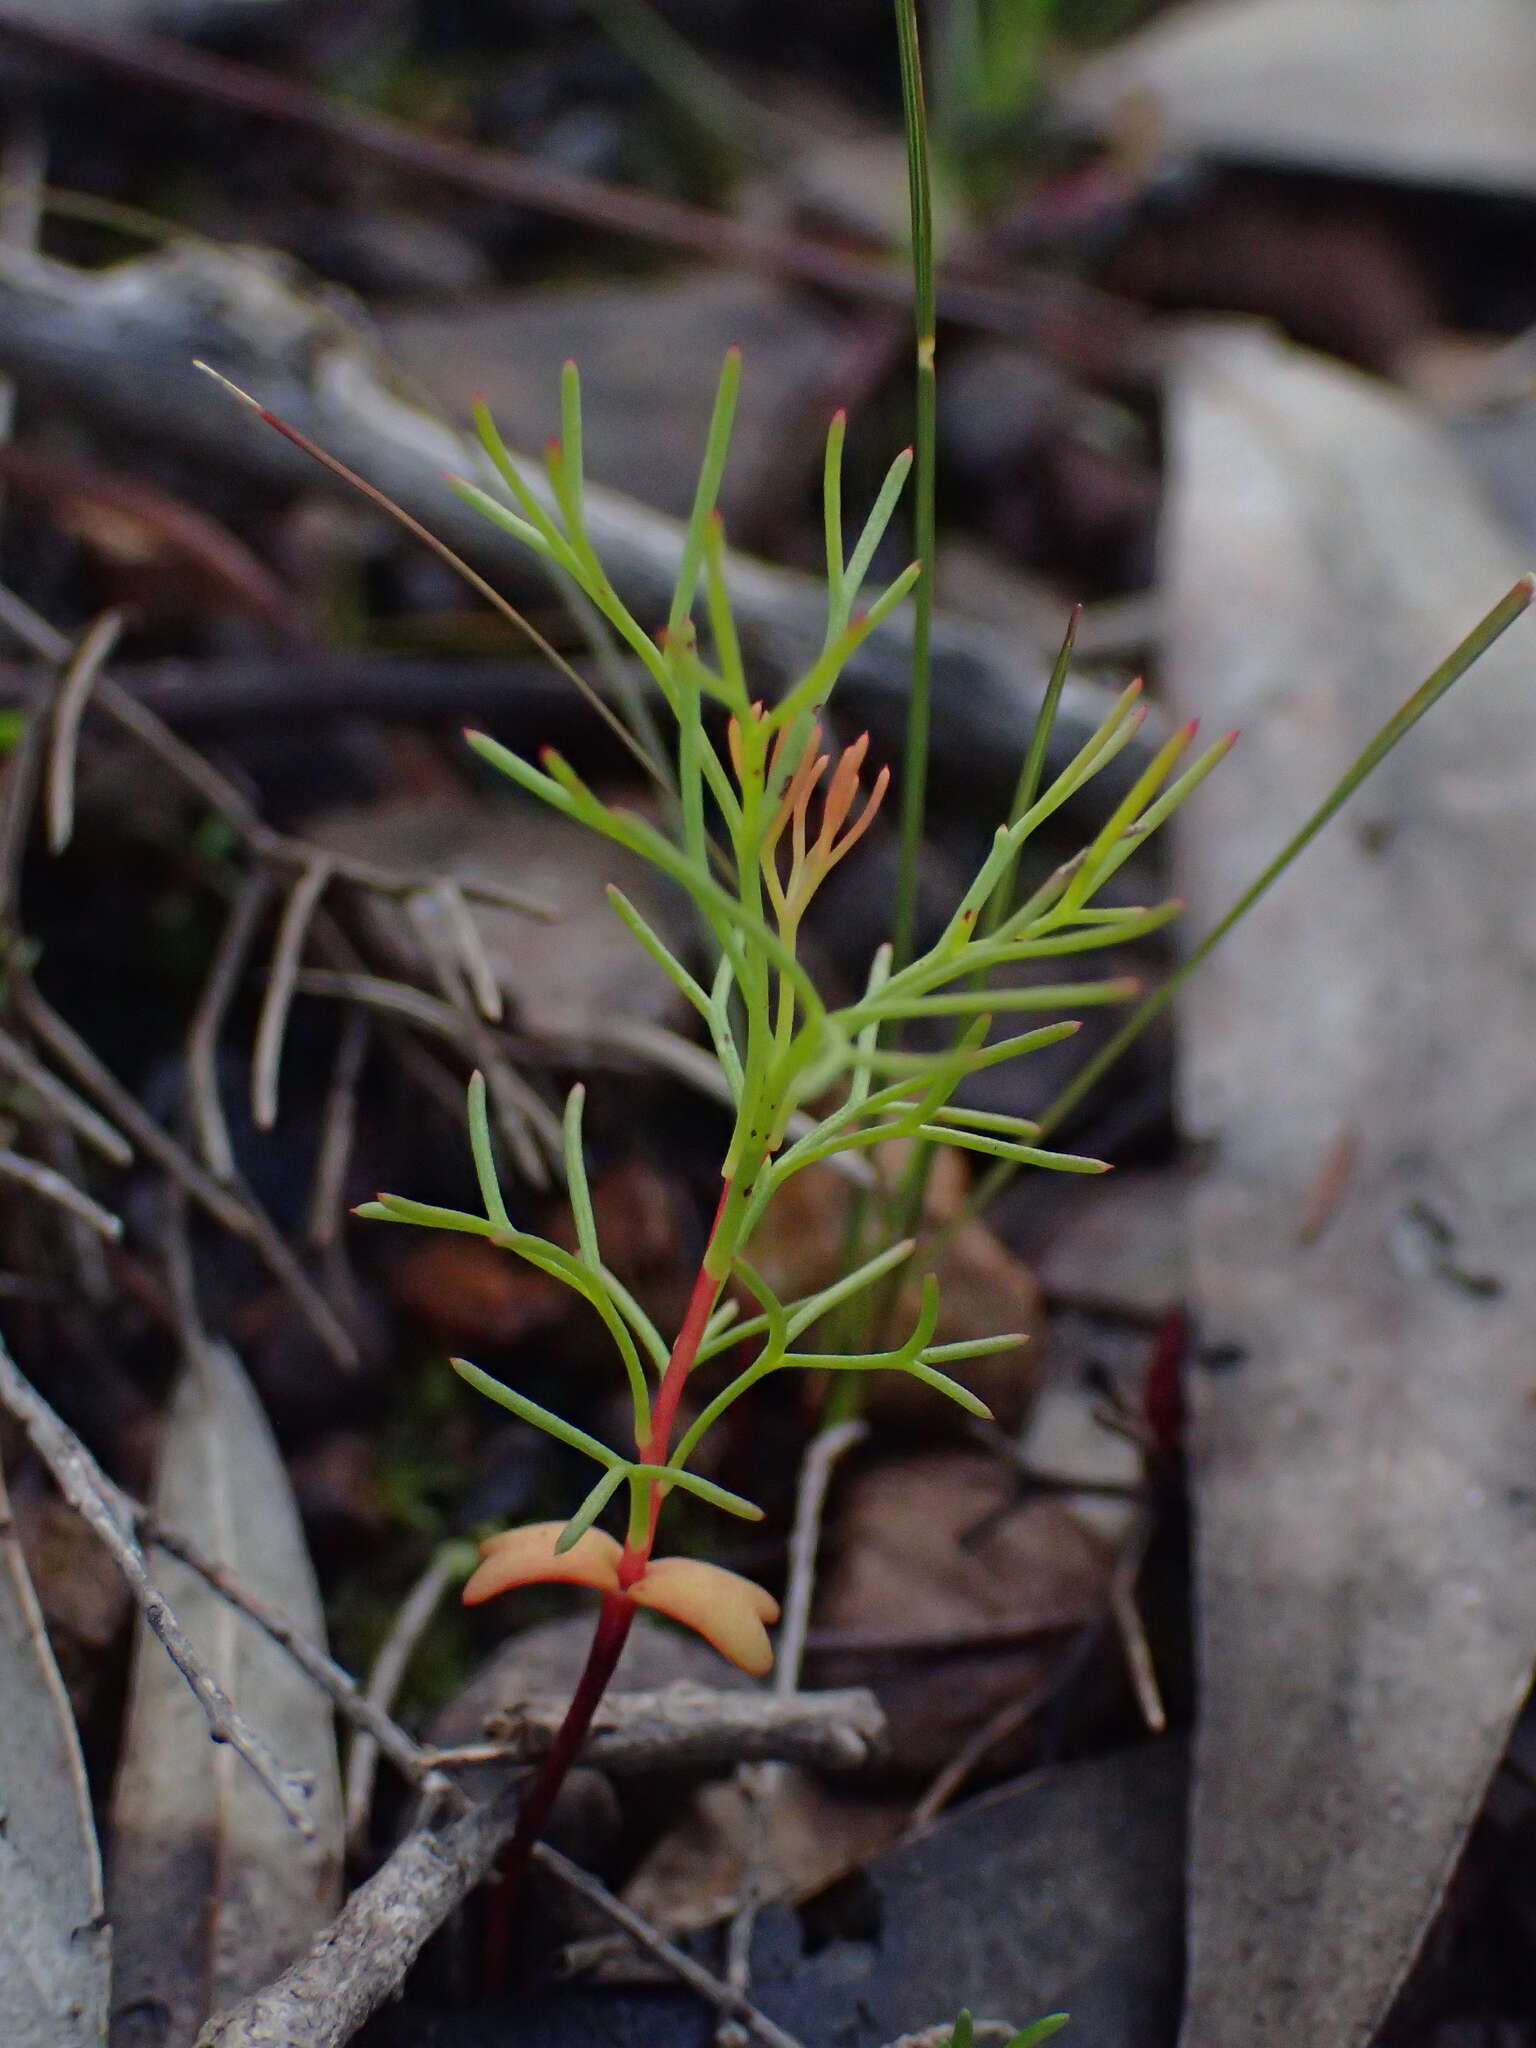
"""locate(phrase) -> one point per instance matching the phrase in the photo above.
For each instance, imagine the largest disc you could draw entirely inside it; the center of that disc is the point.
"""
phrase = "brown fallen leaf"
(931, 1549)
(983, 1289)
(84, 1602)
(789, 1846)
(467, 1292)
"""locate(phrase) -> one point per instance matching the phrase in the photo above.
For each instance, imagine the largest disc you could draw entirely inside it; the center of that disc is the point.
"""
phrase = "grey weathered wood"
(1365, 1475)
(212, 1891)
(687, 1727)
(119, 345)
(53, 1938)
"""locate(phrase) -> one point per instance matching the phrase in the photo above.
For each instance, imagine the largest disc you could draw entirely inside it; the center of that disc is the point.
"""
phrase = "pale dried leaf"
(53, 1941)
(1366, 1534)
(212, 1892)
(1439, 92)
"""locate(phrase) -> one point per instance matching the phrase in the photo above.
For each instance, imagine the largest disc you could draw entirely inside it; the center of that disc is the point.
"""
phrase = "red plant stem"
(608, 1640)
(685, 1352)
(618, 1612)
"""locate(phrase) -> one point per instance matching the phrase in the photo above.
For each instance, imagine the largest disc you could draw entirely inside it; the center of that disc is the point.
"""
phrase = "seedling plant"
(759, 802)
(766, 805)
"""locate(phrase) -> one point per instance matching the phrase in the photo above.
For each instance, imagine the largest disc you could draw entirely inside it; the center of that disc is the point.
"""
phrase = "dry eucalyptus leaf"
(54, 1945)
(787, 1845)
(935, 1558)
(1437, 92)
(212, 1893)
(1364, 1508)
(84, 1603)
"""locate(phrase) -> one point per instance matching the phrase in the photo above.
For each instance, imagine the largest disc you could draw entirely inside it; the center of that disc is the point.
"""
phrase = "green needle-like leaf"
(591, 1508)
(1042, 2030)
(530, 1411)
(484, 1154)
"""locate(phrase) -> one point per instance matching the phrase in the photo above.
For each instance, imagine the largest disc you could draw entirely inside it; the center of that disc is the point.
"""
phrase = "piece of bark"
(119, 344)
(211, 1891)
(53, 1940)
(1365, 1434)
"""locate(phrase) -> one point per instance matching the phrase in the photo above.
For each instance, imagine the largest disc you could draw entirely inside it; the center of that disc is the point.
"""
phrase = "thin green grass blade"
(832, 523)
(914, 760)
(1042, 2030)
(1033, 770)
(1397, 727)
(874, 530)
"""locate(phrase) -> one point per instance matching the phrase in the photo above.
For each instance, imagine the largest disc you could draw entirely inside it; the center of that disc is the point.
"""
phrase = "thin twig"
(23, 775)
(338, 1128)
(63, 1103)
(395, 998)
(723, 1997)
(761, 1783)
(997, 1727)
(1045, 309)
(84, 1238)
(384, 1680)
(816, 1468)
(1131, 1629)
(199, 775)
(478, 971)
(272, 1025)
(519, 1111)
(692, 1727)
(235, 1209)
(322, 1670)
(91, 1494)
(54, 1187)
(204, 1096)
(76, 682)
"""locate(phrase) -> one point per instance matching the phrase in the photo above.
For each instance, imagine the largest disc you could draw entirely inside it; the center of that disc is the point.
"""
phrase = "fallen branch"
(1046, 310)
(761, 1785)
(95, 1499)
(362, 1957)
(692, 1727)
(727, 2001)
(389, 1668)
(118, 346)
